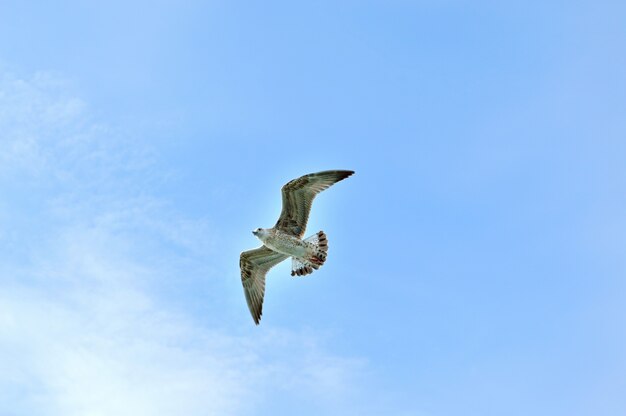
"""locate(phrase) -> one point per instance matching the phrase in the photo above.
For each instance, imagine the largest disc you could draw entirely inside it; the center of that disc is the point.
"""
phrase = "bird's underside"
(284, 240)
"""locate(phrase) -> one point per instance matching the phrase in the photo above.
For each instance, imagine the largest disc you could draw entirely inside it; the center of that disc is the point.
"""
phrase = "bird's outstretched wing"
(254, 265)
(298, 196)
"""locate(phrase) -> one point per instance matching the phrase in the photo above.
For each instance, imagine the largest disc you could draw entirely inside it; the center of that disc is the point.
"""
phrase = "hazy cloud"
(81, 331)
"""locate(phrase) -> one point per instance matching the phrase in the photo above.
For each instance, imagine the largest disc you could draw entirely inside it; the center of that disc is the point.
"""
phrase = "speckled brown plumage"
(298, 196)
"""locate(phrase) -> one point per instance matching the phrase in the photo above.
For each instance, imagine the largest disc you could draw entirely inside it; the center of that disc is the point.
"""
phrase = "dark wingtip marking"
(345, 174)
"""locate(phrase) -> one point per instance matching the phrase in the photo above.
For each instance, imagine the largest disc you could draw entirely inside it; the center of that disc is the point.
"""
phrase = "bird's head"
(260, 233)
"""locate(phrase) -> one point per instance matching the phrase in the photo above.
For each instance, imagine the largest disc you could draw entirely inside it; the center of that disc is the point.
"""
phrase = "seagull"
(284, 240)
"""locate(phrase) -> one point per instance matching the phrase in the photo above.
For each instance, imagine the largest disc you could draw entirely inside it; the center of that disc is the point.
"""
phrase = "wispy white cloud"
(81, 331)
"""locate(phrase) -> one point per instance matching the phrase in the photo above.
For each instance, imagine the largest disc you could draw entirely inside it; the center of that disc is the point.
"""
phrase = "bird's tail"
(316, 257)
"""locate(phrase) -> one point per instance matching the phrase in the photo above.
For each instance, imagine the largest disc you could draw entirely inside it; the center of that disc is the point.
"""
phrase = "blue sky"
(476, 259)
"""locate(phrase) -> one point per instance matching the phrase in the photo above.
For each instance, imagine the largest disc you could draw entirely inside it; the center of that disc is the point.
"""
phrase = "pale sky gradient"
(476, 261)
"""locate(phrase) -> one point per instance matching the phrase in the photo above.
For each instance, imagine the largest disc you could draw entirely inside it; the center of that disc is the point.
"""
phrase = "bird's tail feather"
(304, 266)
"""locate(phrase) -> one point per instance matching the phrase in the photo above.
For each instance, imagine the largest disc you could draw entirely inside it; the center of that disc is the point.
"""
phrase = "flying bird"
(284, 240)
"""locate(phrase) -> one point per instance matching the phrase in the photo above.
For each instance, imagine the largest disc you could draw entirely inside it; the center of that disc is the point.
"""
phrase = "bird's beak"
(254, 232)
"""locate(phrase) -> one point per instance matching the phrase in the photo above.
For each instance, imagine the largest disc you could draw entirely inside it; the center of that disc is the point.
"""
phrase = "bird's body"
(284, 240)
(285, 243)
